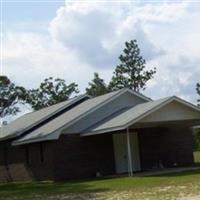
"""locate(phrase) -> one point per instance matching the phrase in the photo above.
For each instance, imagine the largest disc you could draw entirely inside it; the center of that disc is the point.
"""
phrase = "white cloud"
(97, 31)
(34, 57)
(89, 36)
(176, 75)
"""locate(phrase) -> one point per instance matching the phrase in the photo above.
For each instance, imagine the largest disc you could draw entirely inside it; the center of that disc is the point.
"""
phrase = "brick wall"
(14, 166)
(70, 157)
(75, 157)
(81, 157)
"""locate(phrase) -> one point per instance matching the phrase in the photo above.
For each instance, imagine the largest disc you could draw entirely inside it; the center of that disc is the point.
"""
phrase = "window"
(27, 155)
(41, 152)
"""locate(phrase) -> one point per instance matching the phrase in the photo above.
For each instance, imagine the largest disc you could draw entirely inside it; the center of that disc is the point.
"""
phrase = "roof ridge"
(138, 93)
(129, 90)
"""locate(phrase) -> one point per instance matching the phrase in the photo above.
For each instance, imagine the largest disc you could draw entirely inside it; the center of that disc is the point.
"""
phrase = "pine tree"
(197, 131)
(131, 72)
(198, 92)
(97, 86)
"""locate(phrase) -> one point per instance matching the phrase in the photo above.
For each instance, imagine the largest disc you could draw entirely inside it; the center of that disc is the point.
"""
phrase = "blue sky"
(30, 10)
(21, 14)
(74, 39)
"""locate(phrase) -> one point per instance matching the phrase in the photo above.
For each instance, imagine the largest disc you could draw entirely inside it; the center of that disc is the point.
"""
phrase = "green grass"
(197, 156)
(131, 187)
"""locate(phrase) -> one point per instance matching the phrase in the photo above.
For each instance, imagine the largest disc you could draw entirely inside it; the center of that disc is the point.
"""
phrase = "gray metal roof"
(67, 118)
(120, 120)
(31, 119)
(124, 117)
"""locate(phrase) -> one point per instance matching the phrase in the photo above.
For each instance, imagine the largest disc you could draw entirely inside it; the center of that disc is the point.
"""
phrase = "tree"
(198, 92)
(97, 87)
(51, 91)
(131, 73)
(197, 131)
(10, 97)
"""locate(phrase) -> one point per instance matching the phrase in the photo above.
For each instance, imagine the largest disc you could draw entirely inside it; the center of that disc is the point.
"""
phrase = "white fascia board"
(186, 103)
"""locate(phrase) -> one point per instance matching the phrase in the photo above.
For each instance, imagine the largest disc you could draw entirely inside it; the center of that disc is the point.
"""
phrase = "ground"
(179, 186)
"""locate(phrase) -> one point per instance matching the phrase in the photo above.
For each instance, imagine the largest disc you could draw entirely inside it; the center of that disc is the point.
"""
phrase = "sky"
(73, 39)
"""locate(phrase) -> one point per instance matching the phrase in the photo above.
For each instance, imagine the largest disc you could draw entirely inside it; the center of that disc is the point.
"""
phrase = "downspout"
(130, 167)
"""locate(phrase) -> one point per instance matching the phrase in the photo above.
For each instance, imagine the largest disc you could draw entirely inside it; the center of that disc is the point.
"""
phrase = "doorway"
(121, 153)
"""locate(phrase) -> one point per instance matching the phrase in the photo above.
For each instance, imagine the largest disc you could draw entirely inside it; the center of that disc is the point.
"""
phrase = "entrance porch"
(152, 135)
(152, 148)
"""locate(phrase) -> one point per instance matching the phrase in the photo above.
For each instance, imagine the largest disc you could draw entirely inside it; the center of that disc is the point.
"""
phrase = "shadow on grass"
(30, 189)
(92, 186)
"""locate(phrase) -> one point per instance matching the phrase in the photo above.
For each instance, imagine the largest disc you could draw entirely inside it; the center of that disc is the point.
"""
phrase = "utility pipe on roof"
(130, 167)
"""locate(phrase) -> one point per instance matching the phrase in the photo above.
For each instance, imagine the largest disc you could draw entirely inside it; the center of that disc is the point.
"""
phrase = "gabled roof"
(52, 129)
(28, 121)
(129, 116)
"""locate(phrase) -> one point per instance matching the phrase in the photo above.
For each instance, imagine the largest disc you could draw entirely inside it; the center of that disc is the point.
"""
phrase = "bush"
(197, 156)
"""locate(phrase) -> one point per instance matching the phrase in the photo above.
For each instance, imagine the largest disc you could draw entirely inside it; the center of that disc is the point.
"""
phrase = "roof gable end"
(174, 109)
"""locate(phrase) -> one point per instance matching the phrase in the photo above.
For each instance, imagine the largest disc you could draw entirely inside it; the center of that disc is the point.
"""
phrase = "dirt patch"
(189, 197)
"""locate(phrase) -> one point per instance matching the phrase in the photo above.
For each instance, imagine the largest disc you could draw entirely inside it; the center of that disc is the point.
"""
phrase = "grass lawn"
(167, 187)
(197, 156)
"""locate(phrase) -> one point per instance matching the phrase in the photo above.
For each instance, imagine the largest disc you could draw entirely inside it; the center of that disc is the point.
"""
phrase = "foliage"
(197, 156)
(197, 131)
(51, 91)
(97, 87)
(10, 96)
(196, 134)
(198, 92)
(131, 73)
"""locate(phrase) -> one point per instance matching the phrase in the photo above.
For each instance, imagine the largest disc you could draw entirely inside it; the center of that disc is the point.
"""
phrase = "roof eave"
(17, 134)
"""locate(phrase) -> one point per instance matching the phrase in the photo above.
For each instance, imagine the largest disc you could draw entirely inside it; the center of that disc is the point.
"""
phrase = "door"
(121, 153)
(135, 151)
